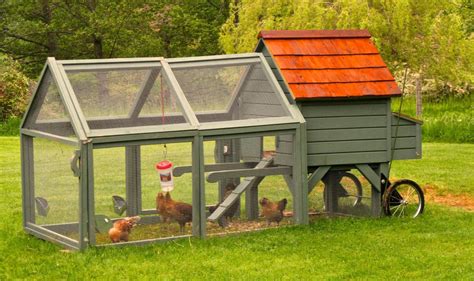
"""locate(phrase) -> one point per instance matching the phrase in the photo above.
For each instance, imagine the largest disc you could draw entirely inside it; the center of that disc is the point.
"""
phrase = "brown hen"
(169, 209)
(122, 228)
(273, 212)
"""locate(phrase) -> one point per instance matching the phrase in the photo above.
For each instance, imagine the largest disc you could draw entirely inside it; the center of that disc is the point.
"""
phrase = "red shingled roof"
(330, 63)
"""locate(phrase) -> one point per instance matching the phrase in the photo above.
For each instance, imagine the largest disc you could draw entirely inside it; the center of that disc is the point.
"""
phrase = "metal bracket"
(75, 162)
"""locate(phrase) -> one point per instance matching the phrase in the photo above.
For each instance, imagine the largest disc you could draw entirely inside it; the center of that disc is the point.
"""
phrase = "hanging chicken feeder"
(165, 172)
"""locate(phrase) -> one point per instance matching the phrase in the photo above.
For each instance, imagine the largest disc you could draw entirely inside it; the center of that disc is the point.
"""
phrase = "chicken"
(161, 207)
(170, 209)
(273, 212)
(122, 228)
(229, 214)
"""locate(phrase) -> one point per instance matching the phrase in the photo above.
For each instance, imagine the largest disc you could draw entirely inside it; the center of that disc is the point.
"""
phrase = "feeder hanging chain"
(165, 151)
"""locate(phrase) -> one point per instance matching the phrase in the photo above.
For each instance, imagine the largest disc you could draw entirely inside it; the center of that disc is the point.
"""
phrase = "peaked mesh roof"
(94, 98)
(329, 63)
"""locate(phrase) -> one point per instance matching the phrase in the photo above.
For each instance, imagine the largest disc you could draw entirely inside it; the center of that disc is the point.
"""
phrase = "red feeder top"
(163, 165)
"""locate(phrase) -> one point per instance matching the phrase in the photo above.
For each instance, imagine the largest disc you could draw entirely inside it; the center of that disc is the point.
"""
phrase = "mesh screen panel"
(55, 183)
(125, 98)
(351, 195)
(109, 179)
(248, 211)
(48, 113)
(224, 93)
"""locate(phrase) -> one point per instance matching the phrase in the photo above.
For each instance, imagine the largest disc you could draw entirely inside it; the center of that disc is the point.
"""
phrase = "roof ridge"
(306, 34)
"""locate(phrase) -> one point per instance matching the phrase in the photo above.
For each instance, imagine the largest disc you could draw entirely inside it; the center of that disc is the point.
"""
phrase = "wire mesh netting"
(233, 92)
(56, 189)
(348, 193)
(160, 215)
(48, 113)
(125, 97)
(174, 207)
(109, 179)
(259, 201)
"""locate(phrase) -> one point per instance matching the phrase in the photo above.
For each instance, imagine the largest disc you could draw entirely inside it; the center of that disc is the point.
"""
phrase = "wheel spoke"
(403, 211)
(410, 193)
(397, 209)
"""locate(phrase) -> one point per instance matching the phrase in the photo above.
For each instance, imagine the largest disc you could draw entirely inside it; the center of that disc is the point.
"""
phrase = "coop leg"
(376, 206)
(227, 151)
(251, 202)
(331, 199)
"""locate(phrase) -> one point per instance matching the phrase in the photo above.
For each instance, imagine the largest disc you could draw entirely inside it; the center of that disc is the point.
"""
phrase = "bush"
(14, 90)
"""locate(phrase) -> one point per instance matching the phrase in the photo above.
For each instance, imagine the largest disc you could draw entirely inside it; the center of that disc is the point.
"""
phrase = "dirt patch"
(461, 201)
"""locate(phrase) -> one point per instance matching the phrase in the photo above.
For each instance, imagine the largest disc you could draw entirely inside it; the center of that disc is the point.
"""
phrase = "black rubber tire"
(357, 184)
(395, 204)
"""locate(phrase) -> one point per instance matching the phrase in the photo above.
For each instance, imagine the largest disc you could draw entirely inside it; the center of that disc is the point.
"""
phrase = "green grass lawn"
(438, 245)
(451, 120)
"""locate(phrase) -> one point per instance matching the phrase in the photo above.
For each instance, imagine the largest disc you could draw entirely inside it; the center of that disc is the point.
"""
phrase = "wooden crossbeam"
(370, 175)
(237, 173)
(316, 176)
(179, 171)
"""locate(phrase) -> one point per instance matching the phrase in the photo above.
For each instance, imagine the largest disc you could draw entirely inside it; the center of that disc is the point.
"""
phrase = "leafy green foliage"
(34, 30)
(14, 91)
(433, 38)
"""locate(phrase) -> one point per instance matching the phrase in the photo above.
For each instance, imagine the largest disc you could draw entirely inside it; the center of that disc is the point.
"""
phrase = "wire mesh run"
(127, 186)
(344, 192)
(125, 97)
(260, 201)
(48, 113)
(229, 92)
(56, 189)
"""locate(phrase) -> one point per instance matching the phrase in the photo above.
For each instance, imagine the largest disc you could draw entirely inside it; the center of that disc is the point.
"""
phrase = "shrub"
(14, 90)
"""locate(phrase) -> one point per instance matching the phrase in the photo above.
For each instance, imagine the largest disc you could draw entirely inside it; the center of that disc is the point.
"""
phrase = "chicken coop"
(341, 85)
(97, 130)
(133, 151)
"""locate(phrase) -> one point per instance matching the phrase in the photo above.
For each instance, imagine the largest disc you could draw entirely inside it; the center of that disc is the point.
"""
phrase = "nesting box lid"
(317, 64)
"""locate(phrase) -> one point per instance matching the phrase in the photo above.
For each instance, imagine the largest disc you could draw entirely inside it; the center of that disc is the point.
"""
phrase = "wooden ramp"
(243, 186)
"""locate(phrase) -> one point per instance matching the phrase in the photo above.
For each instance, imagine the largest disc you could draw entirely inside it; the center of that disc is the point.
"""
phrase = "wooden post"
(199, 202)
(133, 179)
(418, 90)
(330, 185)
(227, 151)
(376, 195)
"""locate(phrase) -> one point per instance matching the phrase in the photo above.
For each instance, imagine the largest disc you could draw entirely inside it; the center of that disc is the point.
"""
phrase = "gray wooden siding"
(277, 73)
(344, 132)
(257, 100)
(408, 138)
(353, 132)
(284, 149)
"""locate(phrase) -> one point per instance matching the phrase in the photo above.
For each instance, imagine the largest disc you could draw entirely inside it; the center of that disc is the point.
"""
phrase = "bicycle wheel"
(349, 189)
(404, 198)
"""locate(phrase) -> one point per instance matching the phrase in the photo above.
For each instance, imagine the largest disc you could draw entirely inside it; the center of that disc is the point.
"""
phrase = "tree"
(189, 27)
(72, 29)
(432, 37)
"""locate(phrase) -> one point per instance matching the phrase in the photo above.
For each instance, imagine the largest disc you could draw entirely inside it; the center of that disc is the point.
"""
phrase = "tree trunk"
(47, 16)
(103, 87)
(236, 18)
